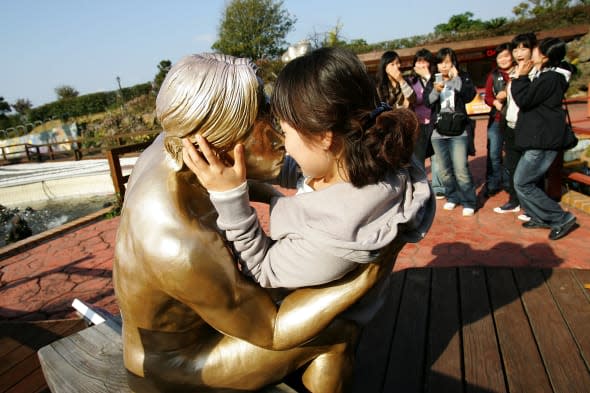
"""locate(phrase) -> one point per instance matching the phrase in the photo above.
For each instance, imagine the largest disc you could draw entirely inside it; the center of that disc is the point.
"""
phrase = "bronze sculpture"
(191, 321)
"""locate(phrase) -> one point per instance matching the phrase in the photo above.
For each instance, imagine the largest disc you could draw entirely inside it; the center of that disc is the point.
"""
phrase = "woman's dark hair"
(554, 49)
(329, 89)
(528, 40)
(504, 46)
(443, 53)
(382, 78)
(425, 54)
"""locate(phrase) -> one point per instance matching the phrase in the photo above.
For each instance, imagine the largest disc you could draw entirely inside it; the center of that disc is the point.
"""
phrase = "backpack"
(498, 81)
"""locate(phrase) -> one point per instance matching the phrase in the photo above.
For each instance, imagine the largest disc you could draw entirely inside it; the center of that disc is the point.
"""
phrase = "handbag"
(451, 123)
(570, 140)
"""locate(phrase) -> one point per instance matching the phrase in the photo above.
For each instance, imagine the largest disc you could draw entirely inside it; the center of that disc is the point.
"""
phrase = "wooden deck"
(480, 330)
(20, 371)
(441, 330)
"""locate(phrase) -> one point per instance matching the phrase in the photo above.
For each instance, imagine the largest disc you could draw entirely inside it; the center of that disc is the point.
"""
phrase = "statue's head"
(221, 98)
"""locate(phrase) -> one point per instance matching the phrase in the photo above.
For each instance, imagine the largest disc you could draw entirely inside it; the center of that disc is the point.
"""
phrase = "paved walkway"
(40, 282)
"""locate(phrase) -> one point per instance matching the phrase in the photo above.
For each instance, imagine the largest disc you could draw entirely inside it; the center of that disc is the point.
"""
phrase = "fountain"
(42, 216)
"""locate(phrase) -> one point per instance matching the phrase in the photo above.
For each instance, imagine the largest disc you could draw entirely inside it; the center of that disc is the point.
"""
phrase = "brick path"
(40, 282)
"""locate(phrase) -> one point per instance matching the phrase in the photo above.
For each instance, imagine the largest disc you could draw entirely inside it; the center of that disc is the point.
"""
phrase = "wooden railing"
(77, 148)
(114, 158)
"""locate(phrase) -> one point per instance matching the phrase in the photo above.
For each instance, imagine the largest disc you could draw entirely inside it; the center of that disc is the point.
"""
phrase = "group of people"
(525, 128)
(437, 91)
(526, 93)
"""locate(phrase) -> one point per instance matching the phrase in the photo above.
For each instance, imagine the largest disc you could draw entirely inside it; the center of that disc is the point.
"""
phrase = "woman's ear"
(327, 139)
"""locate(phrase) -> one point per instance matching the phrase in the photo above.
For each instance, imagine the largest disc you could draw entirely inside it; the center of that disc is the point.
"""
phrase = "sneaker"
(468, 212)
(524, 217)
(508, 207)
(449, 206)
(563, 229)
(439, 195)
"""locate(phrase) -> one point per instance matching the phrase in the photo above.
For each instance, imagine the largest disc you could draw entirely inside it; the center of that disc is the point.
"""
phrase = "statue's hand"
(209, 168)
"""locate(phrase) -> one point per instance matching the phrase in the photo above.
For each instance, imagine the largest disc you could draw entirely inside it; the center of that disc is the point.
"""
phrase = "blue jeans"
(437, 185)
(494, 169)
(531, 168)
(451, 157)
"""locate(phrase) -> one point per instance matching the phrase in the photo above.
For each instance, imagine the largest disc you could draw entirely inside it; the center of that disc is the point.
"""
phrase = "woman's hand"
(524, 67)
(453, 72)
(213, 174)
(439, 86)
(423, 71)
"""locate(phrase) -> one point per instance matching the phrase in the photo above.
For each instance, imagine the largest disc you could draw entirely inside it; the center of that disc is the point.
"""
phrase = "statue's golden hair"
(211, 94)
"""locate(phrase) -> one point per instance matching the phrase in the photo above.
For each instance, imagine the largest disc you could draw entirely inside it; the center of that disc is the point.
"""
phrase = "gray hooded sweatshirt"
(319, 236)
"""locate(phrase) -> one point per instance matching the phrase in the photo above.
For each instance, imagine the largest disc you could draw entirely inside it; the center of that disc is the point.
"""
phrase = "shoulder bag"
(570, 140)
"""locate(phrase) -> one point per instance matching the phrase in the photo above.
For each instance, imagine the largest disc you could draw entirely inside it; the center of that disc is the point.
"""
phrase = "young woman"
(423, 68)
(522, 49)
(391, 85)
(450, 141)
(539, 133)
(364, 189)
(496, 98)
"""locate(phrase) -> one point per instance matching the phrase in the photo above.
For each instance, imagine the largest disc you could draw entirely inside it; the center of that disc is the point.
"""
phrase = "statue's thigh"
(237, 364)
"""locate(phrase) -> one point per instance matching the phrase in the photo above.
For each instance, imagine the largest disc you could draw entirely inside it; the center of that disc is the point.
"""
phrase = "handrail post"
(27, 152)
(116, 173)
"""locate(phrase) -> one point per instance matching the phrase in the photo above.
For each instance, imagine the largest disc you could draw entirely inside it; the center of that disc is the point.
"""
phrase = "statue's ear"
(173, 146)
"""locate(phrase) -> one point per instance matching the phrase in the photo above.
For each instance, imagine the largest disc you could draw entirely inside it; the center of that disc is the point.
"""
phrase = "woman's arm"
(464, 87)
(431, 95)
(287, 262)
(527, 94)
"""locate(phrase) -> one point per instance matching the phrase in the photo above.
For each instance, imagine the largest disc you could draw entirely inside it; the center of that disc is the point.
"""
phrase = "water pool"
(42, 216)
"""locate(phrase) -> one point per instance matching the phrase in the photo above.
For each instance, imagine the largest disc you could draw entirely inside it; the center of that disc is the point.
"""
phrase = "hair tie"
(382, 107)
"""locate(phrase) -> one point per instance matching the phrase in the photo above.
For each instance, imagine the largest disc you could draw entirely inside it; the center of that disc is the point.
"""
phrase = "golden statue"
(191, 320)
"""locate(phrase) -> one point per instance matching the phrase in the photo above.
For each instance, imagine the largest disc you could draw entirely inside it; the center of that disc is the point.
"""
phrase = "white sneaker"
(524, 217)
(468, 212)
(449, 206)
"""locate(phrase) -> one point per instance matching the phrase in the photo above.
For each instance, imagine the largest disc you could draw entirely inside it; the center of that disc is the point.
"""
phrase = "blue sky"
(86, 44)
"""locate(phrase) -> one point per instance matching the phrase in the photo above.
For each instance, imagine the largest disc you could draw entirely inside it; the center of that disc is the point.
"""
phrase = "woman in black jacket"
(539, 133)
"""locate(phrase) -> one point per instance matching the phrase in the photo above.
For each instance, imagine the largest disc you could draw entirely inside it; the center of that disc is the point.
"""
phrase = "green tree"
(495, 23)
(333, 37)
(4, 107)
(64, 91)
(534, 8)
(163, 69)
(459, 23)
(254, 28)
(22, 106)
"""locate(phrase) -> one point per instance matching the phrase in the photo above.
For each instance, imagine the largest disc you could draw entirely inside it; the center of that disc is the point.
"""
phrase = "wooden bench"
(92, 361)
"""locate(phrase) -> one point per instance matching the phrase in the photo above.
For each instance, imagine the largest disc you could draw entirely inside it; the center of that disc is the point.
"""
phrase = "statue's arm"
(237, 307)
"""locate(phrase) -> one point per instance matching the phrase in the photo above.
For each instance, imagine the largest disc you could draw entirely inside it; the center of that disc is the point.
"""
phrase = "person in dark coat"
(539, 133)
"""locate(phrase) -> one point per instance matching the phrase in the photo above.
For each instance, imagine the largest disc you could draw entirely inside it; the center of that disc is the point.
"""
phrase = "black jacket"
(541, 118)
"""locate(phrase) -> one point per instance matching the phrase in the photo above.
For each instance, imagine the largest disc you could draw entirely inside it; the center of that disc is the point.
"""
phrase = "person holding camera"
(446, 95)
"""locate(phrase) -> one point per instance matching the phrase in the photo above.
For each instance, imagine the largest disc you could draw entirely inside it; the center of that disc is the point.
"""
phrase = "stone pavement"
(39, 280)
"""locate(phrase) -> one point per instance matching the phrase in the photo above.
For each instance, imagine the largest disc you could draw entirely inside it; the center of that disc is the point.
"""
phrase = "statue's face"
(264, 150)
